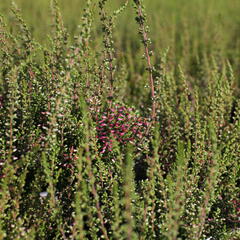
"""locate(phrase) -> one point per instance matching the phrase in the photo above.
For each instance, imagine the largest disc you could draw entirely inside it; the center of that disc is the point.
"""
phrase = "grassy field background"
(188, 28)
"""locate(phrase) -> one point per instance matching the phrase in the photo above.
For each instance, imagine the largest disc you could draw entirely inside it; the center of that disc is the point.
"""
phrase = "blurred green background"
(190, 29)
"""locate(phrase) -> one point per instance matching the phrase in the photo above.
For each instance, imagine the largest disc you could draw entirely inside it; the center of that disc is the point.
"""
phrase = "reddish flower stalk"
(143, 32)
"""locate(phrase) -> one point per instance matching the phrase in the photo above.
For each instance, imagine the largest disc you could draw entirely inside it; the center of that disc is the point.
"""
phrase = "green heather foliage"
(123, 123)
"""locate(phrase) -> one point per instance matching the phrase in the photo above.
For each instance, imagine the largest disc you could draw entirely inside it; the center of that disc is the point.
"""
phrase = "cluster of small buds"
(236, 206)
(1, 102)
(69, 159)
(1, 168)
(119, 123)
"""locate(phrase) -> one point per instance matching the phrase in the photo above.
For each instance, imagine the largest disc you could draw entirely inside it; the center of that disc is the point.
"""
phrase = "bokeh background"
(190, 29)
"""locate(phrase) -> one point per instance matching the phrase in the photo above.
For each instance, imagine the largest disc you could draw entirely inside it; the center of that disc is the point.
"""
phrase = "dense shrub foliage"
(106, 136)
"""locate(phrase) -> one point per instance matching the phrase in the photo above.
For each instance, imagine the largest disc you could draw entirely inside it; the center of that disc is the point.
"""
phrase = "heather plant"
(105, 135)
(120, 123)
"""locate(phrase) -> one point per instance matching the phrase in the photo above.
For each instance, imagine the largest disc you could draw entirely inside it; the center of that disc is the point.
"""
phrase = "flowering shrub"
(120, 123)
(1, 159)
(65, 169)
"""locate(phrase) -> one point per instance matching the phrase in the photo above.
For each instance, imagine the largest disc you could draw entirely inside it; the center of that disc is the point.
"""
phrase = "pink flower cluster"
(119, 123)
